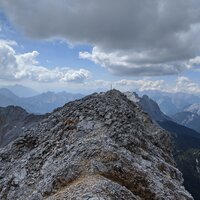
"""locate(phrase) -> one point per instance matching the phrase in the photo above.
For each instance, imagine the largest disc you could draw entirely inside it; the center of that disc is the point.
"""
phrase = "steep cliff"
(100, 147)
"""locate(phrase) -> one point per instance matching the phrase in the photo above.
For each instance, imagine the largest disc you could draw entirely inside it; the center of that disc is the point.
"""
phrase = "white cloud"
(126, 84)
(15, 66)
(194, 63)
(184, 84)
(142, 84)
(76, 75)
(132, 63)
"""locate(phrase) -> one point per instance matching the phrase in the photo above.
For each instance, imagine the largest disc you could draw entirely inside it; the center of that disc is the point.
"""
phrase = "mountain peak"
(102, 146)
(194, 108)
(7, 93)
(148, 105)
(22, 91)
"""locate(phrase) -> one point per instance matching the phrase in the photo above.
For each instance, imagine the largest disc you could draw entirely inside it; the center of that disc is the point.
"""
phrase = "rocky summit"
(100, 147)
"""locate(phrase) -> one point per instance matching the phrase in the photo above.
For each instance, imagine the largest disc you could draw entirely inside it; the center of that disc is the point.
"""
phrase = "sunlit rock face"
(100, 147)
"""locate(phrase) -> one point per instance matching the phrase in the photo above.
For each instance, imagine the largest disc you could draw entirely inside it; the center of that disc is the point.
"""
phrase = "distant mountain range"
(39, 104)
(21, 91)
(190, 117)
(194, 108)
(172, 103)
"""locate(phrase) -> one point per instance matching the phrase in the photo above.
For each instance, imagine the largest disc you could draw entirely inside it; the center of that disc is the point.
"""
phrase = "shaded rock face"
(189, 163)
(13, 121)
(152, 108)
(148, 105)
(100, 147)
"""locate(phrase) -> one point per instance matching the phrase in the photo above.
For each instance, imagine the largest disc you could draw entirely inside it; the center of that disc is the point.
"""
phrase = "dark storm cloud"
(135, 33)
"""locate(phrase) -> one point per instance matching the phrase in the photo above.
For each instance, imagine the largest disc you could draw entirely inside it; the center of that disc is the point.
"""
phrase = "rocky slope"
(100, 147)
(185, 141)
(13, 120)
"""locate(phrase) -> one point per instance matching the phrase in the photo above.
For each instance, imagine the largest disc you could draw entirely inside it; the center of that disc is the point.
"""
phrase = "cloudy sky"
(81, 45)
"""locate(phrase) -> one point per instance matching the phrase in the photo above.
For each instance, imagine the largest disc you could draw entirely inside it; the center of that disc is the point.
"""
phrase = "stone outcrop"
(100, 147)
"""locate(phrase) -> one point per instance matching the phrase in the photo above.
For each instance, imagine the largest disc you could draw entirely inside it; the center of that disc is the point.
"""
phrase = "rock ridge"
(100, 147)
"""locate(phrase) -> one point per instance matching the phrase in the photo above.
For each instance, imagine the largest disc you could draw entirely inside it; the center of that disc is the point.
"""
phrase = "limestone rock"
(100, 147)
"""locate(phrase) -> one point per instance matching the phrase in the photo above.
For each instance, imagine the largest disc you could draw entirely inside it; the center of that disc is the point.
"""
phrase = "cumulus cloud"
(194, 63)
(184, 84)
(155, 37)
(133, 64)
(15, 66)
(142, 84)
(131, 85)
